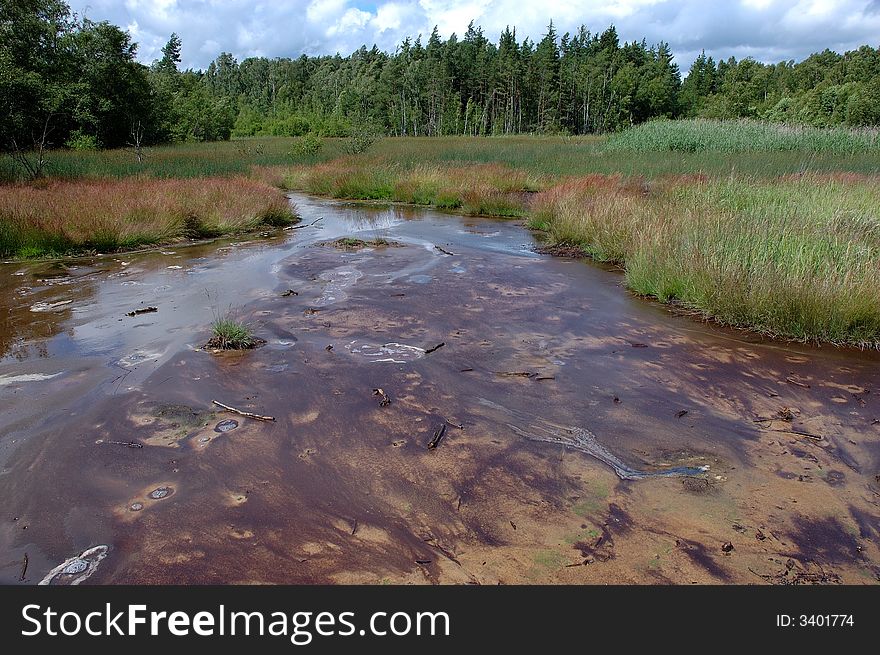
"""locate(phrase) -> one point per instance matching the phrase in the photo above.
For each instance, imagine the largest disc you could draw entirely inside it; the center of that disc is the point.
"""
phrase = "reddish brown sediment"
(340, 488)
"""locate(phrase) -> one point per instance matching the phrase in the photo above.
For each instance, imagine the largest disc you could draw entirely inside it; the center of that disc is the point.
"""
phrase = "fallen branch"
(445, 252)
(145, 310)
(448, 554)
(455, 425)
(798, 433)
(258, 417)
(435, 348)
(438, 435)
(300, 227)
(127, 444)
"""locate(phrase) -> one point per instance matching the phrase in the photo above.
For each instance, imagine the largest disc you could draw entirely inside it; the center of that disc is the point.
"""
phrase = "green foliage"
(82, 142)
(361, 139)
(229, 334)
(702, 135)
(60, 74)
(307, 146)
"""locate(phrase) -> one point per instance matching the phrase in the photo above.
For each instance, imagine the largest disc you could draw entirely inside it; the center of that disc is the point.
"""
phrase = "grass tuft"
(229, 334)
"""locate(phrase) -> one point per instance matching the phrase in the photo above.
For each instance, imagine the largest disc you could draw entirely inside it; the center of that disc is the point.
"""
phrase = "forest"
(72, 82)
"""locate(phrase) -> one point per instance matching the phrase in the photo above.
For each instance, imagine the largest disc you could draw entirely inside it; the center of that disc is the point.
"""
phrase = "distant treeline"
(75, 82)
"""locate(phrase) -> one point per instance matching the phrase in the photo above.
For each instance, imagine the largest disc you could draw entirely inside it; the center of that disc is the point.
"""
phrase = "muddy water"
(582, 435)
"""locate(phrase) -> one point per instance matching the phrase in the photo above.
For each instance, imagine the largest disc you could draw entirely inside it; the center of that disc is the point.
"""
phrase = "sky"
(767, 30)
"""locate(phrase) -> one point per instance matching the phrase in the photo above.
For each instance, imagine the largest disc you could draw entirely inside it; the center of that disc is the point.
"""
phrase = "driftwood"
(24, 567)
(445, 252)
(798, 433)
(258, 417)
(145, 310)
(300, 227)
(384, 398)
(793, 380)
(435, 348)
(127, 444)
(454, 425)
(289, 292)
(438, 435)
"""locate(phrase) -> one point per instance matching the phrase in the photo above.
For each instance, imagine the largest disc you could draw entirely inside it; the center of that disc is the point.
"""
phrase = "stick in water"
(300, 227)
(241, 413)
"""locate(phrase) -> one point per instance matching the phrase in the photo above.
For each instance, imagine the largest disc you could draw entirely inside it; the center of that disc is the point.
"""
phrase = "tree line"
(66, 80)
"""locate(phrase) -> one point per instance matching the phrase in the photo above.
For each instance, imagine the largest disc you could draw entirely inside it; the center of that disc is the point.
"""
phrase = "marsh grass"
(794, 257)
(230, 334)
(178, 161)
(484, 189)
(63, 217)
(738, 136)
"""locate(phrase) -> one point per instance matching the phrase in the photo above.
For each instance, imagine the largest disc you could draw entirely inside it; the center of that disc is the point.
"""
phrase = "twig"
(143, 310)
(435, 348)
(127, 444)
(300, 227)
(815, 437)
(24, 567)
(432, 542)
(438, 435)
(241, 413)
(445, 252)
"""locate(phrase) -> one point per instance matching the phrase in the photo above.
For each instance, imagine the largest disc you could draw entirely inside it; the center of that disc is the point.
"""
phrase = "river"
(582, 435)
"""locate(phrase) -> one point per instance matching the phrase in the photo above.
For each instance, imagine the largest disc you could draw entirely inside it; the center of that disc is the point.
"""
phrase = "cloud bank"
(768, 30)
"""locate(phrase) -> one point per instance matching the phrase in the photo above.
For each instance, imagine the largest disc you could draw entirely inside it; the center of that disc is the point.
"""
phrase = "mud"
(591, 437)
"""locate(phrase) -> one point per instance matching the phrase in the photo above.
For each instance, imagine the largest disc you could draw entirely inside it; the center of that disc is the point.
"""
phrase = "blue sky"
(768, 30)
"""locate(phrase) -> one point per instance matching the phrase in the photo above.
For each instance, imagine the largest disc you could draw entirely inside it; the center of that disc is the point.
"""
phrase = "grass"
(743, 136)
(349, 243)
(484, 189)
(177, 161)
(793, 257)
(63, 217)
(229, 334)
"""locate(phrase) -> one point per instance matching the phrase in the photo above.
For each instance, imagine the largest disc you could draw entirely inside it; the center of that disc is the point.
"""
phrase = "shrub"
(308, 145)
(82, 142)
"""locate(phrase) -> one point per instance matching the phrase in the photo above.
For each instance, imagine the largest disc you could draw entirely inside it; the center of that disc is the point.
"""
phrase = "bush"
(307, 146)
(82, 142)
(360, 140)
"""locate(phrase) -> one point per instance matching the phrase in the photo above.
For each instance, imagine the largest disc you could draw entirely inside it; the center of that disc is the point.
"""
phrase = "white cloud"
(769, 30)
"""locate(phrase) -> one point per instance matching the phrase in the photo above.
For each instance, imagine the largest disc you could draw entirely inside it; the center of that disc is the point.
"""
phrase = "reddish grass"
(57, 217)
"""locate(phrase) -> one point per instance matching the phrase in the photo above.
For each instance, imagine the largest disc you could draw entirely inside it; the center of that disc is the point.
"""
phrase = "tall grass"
(487, 189)
(555, 156)
(736, 136)
(59, 217)
(176, 161)
(795, 257)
